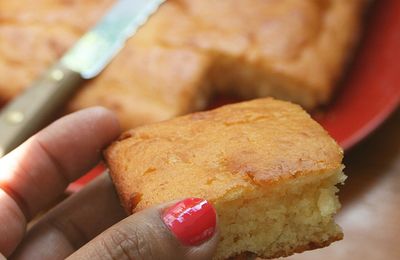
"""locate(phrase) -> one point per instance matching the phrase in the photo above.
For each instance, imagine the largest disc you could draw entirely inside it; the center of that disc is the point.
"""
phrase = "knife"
(35, 107)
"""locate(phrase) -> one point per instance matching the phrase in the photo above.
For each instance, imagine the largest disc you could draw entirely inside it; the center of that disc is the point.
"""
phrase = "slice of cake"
(266, 166)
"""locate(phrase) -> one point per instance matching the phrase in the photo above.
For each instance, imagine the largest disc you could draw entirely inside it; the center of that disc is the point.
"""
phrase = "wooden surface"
(370, 215)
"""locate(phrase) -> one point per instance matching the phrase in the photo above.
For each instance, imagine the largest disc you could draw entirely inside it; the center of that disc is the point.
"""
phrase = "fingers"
(12, 224)
(185, 230)
(39, 170)
(43, 166)
(73, 223)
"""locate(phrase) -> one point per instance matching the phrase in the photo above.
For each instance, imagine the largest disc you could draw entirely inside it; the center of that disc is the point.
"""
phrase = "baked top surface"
(262, 142)
(167, 65)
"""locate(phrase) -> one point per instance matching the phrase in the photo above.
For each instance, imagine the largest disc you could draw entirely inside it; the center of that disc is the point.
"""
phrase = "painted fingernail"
(193, 221)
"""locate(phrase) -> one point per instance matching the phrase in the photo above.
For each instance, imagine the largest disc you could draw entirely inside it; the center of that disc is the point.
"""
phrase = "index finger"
(35, 173)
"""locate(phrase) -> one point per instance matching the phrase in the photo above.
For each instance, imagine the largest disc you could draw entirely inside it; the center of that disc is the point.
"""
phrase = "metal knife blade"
(96, 48)
(34, 108)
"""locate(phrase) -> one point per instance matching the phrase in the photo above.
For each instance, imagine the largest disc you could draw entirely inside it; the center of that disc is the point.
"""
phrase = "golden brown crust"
(299, 249)
(310, 246)
(289, 49)
(261, 142)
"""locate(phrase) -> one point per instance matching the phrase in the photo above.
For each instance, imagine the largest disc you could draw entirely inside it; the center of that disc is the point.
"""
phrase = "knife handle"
(35, 107)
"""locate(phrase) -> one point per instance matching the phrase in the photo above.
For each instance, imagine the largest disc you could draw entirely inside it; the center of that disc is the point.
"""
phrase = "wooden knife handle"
(35, 107)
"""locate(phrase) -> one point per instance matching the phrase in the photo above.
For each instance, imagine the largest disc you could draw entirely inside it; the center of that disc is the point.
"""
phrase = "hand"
(35, 174)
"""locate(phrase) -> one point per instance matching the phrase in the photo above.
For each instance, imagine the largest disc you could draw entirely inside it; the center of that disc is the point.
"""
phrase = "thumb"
(179, 230)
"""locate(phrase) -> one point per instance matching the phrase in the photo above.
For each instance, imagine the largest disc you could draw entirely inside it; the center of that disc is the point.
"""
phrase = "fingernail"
(193, 221)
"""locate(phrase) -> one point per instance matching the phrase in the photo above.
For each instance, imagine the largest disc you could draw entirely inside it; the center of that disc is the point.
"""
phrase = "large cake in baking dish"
(187, 52)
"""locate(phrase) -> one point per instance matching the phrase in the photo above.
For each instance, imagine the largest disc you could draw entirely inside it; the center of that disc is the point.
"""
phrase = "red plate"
(371, 90)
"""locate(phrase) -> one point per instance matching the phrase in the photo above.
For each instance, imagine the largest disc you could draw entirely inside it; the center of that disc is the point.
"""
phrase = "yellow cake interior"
(281, 217)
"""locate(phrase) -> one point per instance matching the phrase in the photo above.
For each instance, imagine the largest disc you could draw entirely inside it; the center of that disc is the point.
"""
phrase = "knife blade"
(36, 106)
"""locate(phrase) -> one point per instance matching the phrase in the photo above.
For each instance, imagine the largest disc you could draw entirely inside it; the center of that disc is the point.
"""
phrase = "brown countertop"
(370, 215)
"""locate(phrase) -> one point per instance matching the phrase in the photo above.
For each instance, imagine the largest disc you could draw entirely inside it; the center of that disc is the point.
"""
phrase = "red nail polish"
(192, 221)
